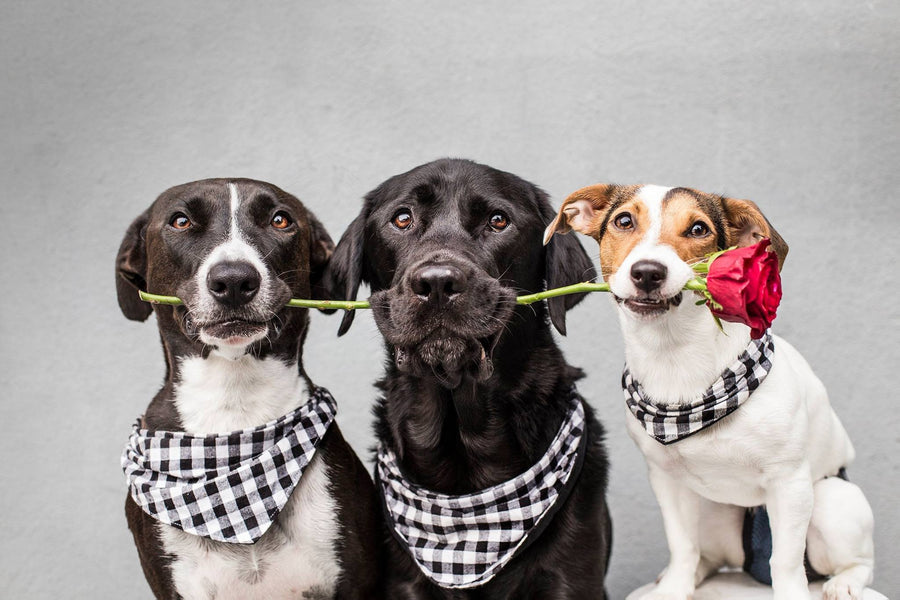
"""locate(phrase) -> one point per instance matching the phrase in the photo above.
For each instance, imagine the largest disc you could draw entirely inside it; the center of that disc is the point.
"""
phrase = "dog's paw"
(839, 588)
(793, 593)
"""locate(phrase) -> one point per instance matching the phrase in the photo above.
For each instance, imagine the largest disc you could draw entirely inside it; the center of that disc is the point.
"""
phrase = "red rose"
(746, 282)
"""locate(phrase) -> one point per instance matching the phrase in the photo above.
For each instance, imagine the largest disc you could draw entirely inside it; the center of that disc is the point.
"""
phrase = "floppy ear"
(344, 272)
(131, 270)
(565, 263)
(321, 248)
(747, 225)
(582, 211)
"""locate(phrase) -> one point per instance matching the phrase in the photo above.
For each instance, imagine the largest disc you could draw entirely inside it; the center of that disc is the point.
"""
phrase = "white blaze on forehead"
(235, 206)
(235, 246)
(652, 196)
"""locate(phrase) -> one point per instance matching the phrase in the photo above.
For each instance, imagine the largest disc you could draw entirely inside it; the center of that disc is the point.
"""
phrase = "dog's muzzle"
(443, 318)
(237, 306)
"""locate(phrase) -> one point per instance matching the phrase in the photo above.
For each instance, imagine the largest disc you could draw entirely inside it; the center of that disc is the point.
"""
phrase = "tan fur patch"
(616, 244)
(679, 213)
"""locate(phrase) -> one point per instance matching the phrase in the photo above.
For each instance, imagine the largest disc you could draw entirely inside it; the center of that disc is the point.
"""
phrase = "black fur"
(476, 388)
(155, 258)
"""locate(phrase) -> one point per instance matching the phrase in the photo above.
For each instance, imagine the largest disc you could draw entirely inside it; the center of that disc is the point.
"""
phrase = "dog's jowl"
(756, 447)
(490, 468)
(241, 485)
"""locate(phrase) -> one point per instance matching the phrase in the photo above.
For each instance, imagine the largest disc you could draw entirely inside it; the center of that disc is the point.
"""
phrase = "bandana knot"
(723, 397)
(464, 541)
(227, 487)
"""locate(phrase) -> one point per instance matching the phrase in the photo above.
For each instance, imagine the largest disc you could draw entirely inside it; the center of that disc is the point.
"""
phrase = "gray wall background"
(105, 104)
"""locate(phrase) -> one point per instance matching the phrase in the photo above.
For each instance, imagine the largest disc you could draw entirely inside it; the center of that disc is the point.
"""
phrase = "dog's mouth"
(235, 332)
(650, 305)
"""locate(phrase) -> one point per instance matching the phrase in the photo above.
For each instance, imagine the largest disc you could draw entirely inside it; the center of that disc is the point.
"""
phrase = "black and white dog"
(476, 393)
(235, 250)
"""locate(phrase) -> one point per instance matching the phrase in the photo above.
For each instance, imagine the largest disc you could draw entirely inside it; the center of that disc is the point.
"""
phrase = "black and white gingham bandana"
(227, 487)
(464, 541)
(730, 390)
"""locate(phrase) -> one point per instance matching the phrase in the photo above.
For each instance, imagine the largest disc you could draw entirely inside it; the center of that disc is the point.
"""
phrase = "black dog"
(476, 388)
(235, 250)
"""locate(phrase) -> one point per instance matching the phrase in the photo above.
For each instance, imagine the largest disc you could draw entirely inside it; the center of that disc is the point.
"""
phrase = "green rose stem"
(697, 285)
(342, 304)
(563, 291)
(293, 302)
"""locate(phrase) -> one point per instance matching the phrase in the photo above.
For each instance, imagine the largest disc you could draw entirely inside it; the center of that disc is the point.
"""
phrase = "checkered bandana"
(464, 541)
(228, 487)
(723, 397)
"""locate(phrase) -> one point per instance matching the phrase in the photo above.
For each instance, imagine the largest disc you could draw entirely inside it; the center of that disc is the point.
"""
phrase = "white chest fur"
(296, 558)
(787, 422)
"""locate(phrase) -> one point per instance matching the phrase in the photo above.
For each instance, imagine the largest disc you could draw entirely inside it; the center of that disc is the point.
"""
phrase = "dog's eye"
(699, 230)
(499, 221)
(281, 220)
(624, 222)
(402, 219)
(180, 221)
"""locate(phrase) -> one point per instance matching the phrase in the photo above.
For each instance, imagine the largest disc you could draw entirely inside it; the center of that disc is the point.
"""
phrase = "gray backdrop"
(104, 105)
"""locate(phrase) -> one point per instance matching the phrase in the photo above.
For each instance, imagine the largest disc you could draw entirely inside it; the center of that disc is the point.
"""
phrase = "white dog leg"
(721, 538)
(839, 542)
(789, 502)
(681, 513)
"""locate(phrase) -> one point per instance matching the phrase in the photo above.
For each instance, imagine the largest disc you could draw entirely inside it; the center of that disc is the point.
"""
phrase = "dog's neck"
(679, 355)
(207, 391)
(480, 433)
(219, 394)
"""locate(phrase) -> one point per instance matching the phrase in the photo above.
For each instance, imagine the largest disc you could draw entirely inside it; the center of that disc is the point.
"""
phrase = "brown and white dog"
(781, 449)
(235, 250)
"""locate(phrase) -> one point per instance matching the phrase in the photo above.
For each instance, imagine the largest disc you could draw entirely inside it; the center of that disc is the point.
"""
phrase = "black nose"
(233, 283)
(648, 275)
(438, 283)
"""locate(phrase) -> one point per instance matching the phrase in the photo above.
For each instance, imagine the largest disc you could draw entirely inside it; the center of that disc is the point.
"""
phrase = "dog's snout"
(648, 275)
(233, 283)
(438, 283)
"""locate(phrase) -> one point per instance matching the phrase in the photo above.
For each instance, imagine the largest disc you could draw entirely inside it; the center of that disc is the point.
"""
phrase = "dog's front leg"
(789, 501)
(680, 508)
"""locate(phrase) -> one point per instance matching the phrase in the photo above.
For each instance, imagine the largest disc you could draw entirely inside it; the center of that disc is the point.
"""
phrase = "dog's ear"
(565, 263)
(746, 225)
(344, 273)
(321, 249)
(131, 270)
(583, 211)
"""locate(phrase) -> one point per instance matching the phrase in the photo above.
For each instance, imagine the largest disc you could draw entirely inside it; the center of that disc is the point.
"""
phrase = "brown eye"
(180, 221)
(281, 220)
(624, 222)
(402, 219)
(699, 230)
(499, 221)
